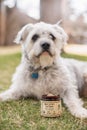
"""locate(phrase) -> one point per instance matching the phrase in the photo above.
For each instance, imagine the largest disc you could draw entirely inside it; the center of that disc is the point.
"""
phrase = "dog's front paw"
(3, 97)
(80, 113)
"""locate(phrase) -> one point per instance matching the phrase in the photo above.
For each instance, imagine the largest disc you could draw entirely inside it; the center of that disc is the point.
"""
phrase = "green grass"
(78, 57)
(25, 114)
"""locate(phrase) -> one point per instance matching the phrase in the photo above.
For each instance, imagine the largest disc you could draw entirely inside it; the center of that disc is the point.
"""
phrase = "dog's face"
(41, 39)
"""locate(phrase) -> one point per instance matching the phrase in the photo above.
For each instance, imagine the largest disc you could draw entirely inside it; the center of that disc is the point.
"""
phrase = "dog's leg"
(84, 87)
(74, 103)
(10, 94)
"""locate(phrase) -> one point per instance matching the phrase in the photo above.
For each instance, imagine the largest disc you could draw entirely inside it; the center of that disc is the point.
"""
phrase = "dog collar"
(34, 73)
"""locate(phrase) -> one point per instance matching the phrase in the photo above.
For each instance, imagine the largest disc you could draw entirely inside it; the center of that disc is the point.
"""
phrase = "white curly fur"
(63, 76)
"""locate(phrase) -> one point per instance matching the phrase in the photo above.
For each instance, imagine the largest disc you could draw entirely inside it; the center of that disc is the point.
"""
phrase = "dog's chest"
(45, 82)
(43, 76)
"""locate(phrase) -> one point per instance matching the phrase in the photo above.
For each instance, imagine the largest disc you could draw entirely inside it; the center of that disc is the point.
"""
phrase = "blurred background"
(14, 14)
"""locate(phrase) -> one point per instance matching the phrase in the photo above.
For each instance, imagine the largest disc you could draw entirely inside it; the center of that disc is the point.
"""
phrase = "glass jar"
(51, 106)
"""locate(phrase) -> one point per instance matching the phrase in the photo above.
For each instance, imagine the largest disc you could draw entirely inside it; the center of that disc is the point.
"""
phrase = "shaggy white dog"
(43, 71)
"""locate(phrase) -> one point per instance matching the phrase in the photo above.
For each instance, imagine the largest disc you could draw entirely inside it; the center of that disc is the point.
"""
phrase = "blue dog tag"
(34, 75)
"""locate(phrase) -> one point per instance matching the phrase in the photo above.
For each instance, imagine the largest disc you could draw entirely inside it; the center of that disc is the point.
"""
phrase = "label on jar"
(51, 108)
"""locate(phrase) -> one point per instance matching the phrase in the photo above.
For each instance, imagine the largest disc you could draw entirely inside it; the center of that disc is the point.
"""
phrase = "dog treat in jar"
(51, 106)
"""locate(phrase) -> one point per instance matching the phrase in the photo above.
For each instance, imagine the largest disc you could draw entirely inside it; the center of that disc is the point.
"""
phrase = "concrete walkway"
(76, 49)
(70, 49)
(9, 50)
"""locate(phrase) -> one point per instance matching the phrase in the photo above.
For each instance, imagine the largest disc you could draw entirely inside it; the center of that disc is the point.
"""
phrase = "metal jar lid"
(50, 97)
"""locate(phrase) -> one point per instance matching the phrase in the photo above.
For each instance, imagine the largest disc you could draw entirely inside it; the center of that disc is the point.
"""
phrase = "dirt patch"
(10, 50)
(70, 49)
(76, 49)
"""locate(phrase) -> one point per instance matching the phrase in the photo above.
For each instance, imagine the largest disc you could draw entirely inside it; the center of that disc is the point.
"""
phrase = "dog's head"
(41, 39)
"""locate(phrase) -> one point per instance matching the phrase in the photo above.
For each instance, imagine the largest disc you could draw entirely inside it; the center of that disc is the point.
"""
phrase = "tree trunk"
(50, 10)
(2, 23)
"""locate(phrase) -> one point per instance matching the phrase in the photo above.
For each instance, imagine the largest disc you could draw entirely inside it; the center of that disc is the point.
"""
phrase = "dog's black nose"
(45, 46)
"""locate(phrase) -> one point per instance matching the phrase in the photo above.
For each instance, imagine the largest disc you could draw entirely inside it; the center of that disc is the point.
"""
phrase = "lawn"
(25, 114)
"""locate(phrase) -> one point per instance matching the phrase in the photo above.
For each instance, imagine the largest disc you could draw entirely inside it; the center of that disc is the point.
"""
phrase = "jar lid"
(50, 97)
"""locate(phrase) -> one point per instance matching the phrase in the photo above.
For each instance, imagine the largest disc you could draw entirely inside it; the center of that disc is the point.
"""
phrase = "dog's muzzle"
(46, 48)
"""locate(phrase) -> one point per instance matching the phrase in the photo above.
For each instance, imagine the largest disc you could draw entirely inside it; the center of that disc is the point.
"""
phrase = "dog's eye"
(35, 37)
(52, 37)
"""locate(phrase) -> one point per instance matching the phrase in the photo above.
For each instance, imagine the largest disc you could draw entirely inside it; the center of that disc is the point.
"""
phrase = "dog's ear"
(22, 34)
(61, 32)
(59, 22)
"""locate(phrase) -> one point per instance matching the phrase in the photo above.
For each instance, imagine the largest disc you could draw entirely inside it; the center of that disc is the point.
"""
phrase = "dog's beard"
(46, 59)
(43, 59)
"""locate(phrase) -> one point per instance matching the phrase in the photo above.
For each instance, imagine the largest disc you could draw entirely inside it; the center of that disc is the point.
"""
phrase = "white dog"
(43, 71)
